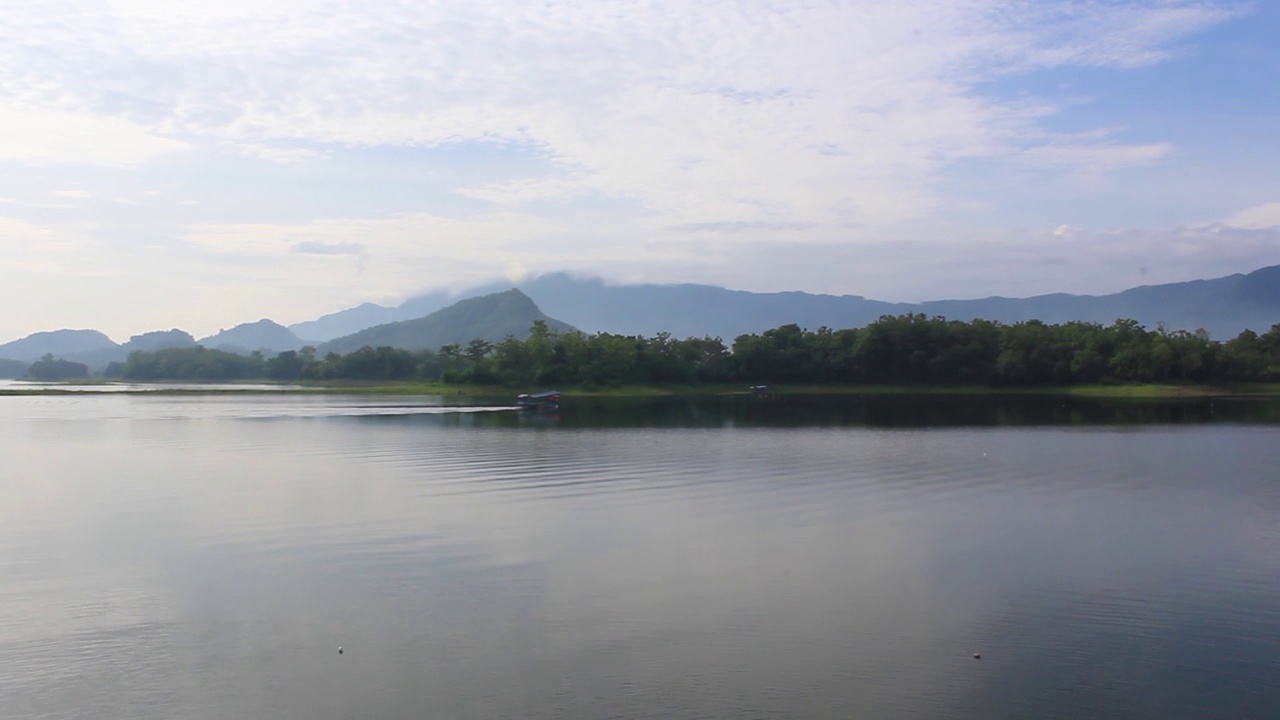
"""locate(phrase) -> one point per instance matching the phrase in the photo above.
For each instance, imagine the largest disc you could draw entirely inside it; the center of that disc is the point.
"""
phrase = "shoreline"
(1101, 391)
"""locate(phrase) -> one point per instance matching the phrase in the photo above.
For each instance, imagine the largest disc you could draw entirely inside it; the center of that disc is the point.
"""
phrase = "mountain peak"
(58, 343)
(493, 318)
(264, 334)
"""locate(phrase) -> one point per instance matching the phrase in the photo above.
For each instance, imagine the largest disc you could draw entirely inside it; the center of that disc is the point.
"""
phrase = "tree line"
(908, 349)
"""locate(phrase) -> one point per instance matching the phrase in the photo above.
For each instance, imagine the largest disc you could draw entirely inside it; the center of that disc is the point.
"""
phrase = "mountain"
(264, 335)
(59, 343)
(689, 310)
(13, 368)
(98, 360)
(352, 320)
(345, 322)
(159, 340)
(1222, 306)
(489, 317)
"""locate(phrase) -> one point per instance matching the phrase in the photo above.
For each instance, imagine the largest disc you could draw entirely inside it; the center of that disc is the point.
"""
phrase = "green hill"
(489, 317)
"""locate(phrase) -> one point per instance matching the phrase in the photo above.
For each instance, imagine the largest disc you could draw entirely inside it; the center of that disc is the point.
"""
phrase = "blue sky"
(194, 165)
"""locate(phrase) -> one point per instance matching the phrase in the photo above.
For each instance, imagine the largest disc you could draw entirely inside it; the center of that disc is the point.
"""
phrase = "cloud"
(737, 227)
(409, 253)
(1256, 218)
(315, 247)
(1093, 160)
(41, 136)
(823, 146)
(26, 204)
(964, 265)
(33, 249)
(707, 112)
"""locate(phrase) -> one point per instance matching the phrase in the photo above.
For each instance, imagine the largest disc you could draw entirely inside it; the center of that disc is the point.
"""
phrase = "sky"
(166, 163)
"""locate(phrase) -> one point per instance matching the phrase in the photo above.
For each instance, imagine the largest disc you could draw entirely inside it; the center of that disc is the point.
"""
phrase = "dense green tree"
(907, 349)
(51, 369)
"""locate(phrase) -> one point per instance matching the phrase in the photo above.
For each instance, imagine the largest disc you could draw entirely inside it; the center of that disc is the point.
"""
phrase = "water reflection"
(901, 411)
(194, 557)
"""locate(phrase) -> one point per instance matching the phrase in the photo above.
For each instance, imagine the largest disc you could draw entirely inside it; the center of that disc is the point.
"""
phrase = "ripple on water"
(179, 558)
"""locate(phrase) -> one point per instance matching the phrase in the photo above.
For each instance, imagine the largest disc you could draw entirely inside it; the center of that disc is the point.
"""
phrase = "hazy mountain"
(59, 343)
(346, 322)
(98, 360)
(1223, 306)
(159, 340)
(13, 368)
(265, 335)
(489, 317)
(689, 310)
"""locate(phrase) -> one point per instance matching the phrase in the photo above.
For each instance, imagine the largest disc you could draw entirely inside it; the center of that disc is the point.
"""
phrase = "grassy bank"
(640, 391)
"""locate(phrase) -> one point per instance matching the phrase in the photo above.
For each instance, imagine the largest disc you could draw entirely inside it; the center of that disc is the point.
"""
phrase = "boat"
(547, 400)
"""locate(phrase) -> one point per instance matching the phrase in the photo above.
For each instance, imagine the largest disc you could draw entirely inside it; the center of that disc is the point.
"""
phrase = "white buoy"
(339, 649)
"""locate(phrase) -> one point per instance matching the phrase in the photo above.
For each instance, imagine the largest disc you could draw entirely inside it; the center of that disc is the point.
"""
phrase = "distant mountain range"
(90, 346)
(491, 317)
(1222, 306)
(97, 350)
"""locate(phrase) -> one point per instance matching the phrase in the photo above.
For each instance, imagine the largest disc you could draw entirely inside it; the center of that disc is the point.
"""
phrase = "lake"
(204, 556)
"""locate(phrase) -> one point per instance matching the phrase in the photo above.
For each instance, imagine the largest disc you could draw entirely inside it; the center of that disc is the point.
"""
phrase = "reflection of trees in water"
(882, 411)
(911, 411)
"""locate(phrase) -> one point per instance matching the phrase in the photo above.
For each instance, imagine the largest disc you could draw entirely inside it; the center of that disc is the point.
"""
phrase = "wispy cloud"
(690, 108)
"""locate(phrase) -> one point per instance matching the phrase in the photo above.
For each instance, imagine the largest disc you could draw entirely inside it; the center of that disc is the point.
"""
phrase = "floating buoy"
(340, 650)
(976, 656)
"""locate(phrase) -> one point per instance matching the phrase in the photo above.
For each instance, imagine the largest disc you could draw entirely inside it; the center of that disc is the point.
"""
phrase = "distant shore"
(1140, 390)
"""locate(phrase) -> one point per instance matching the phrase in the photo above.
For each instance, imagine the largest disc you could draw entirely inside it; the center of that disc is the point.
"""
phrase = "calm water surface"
(167, 556)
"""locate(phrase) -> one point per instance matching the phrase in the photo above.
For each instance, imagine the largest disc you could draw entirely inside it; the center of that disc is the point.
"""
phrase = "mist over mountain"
(1222, 306)
(491, 317)
(265, 335)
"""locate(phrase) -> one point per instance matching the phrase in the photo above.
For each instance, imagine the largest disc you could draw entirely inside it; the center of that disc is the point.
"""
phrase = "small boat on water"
(548, 400)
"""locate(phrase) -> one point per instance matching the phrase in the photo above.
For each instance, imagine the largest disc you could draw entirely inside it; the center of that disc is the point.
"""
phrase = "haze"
(178, 164)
